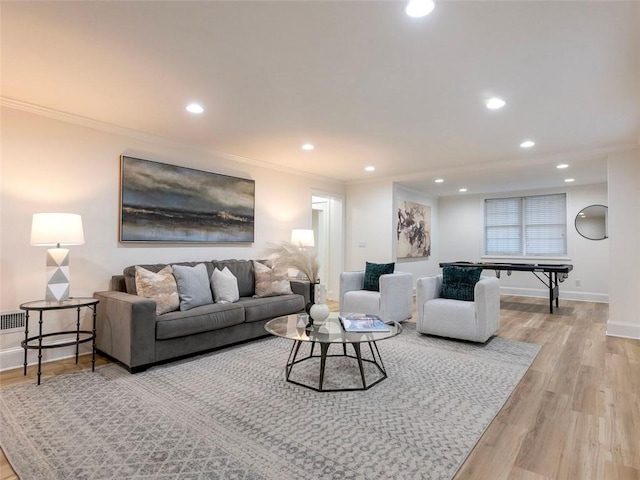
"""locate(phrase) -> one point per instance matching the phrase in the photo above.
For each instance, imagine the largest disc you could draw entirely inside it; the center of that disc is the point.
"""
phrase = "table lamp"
(302, 237)
(57, 229)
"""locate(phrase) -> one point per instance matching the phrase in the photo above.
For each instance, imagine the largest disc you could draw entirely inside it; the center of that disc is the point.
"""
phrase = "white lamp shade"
(56, 229)
(302, 237)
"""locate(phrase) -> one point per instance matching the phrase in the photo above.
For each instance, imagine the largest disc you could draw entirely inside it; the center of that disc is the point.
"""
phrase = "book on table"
(361, 322)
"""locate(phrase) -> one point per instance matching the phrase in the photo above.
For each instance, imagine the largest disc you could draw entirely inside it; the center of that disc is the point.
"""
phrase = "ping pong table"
(550, 275)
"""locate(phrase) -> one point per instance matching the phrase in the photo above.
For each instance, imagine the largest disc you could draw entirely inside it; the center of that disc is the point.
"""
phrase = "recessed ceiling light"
(462, 190)
(562, 165)
(569, 180)
(308, 146)
(495, 103)
(419, 8)
(195, 108)
(527, 144)
(439, 180)
(370, 168)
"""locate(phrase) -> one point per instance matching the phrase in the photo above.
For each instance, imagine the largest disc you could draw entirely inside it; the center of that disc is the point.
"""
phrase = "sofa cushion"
(130, 272)
(225, 286)
(361, 301)
(263, 308)
(193, 286)
(130, 275)
(242, 270)
(450, 318)
(458, 283)
(160, 287)
(270, 282)
(372, 274)
(199, 319)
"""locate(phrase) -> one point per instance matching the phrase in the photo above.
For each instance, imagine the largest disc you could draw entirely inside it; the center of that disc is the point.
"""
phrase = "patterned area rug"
(231, 415)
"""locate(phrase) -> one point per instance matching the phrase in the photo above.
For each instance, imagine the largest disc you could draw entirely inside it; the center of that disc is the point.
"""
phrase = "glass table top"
(71, 302)
(293, 328)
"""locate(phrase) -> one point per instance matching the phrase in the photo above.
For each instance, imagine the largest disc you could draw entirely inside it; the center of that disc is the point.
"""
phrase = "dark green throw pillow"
(458, 283)
(372, 274)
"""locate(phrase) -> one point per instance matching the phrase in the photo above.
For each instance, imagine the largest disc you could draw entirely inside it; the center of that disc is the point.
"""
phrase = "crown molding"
(150, 138)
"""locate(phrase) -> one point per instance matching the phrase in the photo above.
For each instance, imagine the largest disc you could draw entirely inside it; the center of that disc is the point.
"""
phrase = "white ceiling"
(363, 82)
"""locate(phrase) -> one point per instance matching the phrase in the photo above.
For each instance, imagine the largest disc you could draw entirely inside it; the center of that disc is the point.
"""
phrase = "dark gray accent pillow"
(372, 274)
(458, 283)
(193, 286)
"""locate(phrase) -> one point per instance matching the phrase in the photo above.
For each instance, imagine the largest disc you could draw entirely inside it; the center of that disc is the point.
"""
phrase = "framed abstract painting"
(168, 203)
(414, 230)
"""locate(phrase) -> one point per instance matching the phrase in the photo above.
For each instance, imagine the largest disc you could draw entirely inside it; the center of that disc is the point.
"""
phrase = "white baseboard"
(625, 330)
(564, 294)
(14, 357)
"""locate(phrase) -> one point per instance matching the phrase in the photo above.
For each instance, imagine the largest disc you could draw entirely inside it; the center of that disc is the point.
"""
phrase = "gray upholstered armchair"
(394, 301)
(475, 320)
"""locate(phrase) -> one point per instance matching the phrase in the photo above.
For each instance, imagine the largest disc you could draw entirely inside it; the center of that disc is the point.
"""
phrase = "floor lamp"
(57, 229)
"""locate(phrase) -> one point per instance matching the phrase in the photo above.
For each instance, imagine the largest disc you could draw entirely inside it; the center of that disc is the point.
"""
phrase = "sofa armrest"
(301, 287)
(126, 328)
(396, 296)
(487, 303)
(350, 281)
(427, 288)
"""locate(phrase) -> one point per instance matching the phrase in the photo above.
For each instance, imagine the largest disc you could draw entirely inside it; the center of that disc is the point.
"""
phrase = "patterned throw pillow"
(160, 287)
(270, 282)
(225, 286)
(193, 286)
(458, 283)
(372, 274)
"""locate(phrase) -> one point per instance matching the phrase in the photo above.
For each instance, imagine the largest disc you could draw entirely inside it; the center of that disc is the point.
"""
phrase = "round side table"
(81, 336)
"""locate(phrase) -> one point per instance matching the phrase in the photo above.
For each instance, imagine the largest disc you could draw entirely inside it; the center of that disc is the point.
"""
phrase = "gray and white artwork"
(414, 230)
(168, 203)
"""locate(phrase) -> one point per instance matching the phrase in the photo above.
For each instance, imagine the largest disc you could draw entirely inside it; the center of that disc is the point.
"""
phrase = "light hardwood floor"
(575, 415)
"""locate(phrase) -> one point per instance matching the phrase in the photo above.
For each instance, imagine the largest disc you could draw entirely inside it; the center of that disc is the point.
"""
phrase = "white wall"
(371, 227)
(623, 173)
(416, 266)
(369, 224)
(461, 230)
(53, 165)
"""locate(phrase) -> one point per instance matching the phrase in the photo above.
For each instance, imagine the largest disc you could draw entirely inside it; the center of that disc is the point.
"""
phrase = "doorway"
(328, 226)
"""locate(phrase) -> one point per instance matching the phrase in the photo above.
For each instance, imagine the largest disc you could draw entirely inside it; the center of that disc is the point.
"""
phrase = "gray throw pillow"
(193, 286)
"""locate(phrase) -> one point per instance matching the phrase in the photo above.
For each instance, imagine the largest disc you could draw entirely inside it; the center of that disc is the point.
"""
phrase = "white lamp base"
(57, 275)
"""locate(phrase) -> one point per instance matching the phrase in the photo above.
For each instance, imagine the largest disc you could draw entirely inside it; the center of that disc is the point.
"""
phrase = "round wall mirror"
(591, 222)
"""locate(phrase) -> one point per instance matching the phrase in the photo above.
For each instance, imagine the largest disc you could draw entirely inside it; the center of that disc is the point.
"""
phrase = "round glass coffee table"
(330, 333)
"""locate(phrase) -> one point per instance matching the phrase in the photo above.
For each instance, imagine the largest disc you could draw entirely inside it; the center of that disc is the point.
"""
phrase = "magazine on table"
(362, 322)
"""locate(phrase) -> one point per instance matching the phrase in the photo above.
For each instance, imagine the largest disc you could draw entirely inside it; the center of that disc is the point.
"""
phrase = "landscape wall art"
(168, 203)
(414, 230)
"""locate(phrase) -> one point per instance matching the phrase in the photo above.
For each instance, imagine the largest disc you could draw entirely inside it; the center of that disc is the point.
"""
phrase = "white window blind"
(535, 225)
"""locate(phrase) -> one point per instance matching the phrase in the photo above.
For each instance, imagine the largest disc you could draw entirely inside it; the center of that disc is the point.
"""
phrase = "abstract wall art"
(168, 203)
(414, 230)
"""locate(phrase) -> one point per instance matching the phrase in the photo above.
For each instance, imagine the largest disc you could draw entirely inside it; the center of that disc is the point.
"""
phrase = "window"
(534, 226)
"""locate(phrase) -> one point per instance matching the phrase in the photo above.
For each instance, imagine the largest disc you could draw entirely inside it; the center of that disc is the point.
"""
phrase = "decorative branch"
(288, 255)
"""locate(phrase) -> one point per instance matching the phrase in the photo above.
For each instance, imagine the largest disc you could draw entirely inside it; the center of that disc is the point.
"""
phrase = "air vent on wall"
(12, 322)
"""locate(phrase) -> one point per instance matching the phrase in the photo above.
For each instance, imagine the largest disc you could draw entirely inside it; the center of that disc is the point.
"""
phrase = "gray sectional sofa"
(129, 331)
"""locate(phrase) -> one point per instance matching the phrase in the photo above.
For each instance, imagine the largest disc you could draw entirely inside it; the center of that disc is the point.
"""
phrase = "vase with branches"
(288, 255)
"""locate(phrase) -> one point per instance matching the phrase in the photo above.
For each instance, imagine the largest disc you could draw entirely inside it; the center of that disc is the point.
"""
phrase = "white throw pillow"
(225, 286)
(160, 287)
